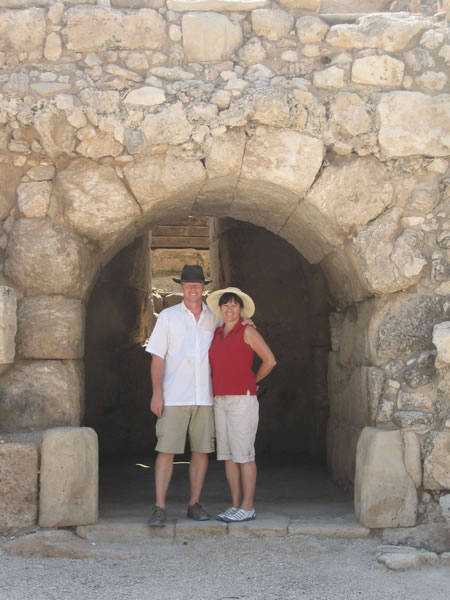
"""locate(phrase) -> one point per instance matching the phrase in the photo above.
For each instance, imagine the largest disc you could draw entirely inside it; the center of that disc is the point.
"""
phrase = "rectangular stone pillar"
(8, 324)
(385, 489)
(18, 485)
(69, 477)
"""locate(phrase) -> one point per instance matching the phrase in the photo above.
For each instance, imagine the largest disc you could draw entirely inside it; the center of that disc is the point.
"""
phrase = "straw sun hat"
(212, 301)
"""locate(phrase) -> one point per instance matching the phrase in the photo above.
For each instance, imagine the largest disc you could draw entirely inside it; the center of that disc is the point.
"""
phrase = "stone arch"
(305, 126)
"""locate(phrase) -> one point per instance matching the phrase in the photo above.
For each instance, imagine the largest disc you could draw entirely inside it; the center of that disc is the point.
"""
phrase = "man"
(182, 394)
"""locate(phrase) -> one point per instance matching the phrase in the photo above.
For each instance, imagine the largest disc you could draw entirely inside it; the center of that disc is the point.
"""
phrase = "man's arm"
(157, 373)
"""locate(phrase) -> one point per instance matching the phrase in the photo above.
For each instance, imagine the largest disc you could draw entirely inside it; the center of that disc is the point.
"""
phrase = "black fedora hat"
(192, 274)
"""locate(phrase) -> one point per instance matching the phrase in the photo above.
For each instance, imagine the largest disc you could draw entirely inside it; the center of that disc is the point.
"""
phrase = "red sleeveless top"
(231, 360)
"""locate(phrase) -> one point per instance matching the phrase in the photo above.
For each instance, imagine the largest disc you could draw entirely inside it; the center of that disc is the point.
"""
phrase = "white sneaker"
(228, 513)
(241, 515)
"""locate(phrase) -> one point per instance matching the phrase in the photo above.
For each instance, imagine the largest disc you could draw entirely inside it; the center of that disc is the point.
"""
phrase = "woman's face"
(231, 311)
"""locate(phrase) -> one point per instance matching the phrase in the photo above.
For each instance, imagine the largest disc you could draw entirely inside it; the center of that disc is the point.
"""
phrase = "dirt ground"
(301, 567)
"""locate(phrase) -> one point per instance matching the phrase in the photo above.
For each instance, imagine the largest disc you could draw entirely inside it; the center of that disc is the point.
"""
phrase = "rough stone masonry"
(330, 131)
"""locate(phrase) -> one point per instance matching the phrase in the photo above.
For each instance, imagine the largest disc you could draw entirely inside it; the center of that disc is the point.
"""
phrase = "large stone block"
(272, 24)
(403, 133)
(51, 327)
(390, 258)
(41, 394)
(8, 324)
(350, 115)
(69, 477)
(381, 71)
(345, 281)
(345, 196)
(18, 486)
(402, 325)
(169, 126)
(436, 468)
(278, 168)
(96, 202)
(385, 493)
(223, 163)
(391, 33)
(44, 257)
(98, 28)
(165, 185)
(22, 30)
(209, 37)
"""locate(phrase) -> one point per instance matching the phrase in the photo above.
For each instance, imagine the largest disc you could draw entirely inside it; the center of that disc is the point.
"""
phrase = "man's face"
(192, 291)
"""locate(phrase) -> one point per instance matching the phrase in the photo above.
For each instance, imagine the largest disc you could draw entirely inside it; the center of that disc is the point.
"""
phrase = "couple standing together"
(195, 356)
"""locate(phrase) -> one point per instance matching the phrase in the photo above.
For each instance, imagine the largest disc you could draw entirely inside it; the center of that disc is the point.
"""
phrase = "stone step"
(137, 530)
(333, 528)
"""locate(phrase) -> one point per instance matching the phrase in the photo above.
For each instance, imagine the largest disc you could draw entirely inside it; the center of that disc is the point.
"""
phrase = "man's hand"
(157, 405)
(248, 322)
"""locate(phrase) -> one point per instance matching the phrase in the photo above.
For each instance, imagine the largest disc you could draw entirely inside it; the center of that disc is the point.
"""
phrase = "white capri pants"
(236, 419)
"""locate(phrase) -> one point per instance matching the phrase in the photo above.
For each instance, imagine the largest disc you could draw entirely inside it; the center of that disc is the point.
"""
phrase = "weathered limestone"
(215, 5)
(98, 28)
(22, 30)
(8, 324)
(95, 201)
(168, 126)
(441, 339)
(332, 210)
(55, 134)
(378, 70)
(274, 162)
(386, 32)
(50, 327)
(33, 199)
(160, 181)
(403, 134)
(41, 394)
(46, 257)
(272, 24)
(209, 37)
(18, 485)
(223, 165)
(403, 326)
(391, 259)
(9, 180)
(385, 494)
(436, 474)
(69, 477)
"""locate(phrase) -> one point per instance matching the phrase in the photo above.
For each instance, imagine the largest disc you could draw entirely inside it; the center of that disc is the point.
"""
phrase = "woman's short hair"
(230, 296)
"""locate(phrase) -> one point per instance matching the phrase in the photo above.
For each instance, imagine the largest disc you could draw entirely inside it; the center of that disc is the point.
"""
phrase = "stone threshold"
(115, 530)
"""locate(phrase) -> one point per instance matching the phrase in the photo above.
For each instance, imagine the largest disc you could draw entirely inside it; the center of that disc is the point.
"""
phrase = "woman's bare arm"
(256, 341)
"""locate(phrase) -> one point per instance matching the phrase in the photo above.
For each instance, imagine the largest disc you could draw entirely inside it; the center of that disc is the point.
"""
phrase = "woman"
(235, 404)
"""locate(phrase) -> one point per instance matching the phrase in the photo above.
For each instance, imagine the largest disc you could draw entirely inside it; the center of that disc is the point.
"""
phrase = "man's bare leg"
(233, 475)
(197, 473)
(248, 478)
(163, 475)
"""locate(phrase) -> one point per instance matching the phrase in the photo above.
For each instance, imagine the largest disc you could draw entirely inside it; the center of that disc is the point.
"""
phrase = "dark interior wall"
(292, 315)
(118, 387)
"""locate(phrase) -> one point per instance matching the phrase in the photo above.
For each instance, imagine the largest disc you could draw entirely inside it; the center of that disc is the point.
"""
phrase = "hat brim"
(213, 298)
(205, 282)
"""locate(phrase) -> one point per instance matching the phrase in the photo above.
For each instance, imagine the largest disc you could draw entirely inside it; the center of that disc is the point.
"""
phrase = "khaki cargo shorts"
(236, 420)
(177, 421)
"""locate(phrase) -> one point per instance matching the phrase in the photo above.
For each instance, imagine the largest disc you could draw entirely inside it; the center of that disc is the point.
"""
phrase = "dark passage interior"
(292, 310)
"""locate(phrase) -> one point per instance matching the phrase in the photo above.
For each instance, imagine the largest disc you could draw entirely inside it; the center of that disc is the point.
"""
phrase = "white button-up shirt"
(183, 343)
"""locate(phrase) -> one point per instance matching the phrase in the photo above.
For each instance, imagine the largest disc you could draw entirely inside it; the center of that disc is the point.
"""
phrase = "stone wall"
(332, 135)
